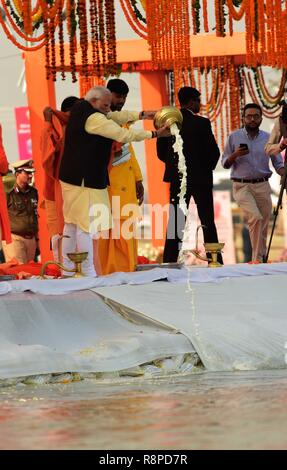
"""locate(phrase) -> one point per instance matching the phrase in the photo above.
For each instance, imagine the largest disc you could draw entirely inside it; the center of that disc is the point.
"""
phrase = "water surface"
(240, 410)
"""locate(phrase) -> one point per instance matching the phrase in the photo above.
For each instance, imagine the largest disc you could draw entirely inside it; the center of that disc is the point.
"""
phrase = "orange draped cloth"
(31, 268)
(4, 218)
(52, 146)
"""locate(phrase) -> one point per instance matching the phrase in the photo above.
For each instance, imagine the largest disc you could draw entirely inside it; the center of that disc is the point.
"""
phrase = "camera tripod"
(276, 210)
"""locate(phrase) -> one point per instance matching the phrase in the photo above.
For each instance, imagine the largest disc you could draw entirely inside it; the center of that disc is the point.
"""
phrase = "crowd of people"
(93, 185)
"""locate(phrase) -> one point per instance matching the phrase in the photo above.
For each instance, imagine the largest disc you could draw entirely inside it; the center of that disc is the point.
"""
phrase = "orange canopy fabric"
(4, 218)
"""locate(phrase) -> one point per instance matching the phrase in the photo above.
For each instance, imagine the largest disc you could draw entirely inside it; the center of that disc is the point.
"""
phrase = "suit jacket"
(200, 150)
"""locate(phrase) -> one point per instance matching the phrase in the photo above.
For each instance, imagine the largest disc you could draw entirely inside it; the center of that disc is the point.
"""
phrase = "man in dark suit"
(201, 156)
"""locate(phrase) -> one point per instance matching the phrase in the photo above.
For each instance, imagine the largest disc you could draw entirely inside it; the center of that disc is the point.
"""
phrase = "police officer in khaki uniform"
(22, 202)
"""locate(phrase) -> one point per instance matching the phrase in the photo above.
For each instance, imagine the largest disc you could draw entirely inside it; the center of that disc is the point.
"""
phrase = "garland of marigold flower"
(133, 20)
(14, 41)
(102, 31)
(25, 37)
(82, 22)
(61, 40)
(263, 94)
(254, 98)
(47, 39)
(233, 96)
(261, 21)
(219, 17)
(136, 11)
(270, 32)
(111, 36)
(205, 16)
(52, 49)
(192, 81)
(206, 86)
(195, 9)
(242, 96)
(96, 67)
(168, 30)
(248, 34)
(268, 97)
(27, 17)
(70, 12)
(279, 33)
(237, 15)
(34, 12)
(253, 33)
(186, 35)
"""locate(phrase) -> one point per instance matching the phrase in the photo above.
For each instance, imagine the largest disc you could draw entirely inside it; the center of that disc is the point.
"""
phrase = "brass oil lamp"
(213, 248)
(77, 258)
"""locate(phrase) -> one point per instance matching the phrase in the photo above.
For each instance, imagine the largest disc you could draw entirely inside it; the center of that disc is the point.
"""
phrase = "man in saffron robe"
(52, 146)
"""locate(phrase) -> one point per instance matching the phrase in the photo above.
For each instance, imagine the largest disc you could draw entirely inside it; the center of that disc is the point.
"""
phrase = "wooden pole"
(154, 96)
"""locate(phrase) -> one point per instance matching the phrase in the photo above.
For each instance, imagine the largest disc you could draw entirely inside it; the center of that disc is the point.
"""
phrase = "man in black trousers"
(201, 156)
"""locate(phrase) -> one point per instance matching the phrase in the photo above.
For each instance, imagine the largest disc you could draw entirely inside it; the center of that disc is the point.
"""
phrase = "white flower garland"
(178, 148)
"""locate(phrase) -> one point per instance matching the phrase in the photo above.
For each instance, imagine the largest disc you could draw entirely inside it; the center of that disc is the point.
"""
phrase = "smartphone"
(243, 146)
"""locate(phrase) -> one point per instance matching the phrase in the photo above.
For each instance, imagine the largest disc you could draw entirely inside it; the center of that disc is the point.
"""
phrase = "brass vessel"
(77, 258)
(168, 115)
(213, 248)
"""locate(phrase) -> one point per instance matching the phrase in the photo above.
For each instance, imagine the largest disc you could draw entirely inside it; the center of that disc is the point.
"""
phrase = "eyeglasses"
(249, 117)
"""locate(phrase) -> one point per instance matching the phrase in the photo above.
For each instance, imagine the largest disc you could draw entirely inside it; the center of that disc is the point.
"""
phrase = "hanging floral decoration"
(88, 82)
(225, 88)
(168, 31)
(135, 15)
(167, 26)
(87, 24)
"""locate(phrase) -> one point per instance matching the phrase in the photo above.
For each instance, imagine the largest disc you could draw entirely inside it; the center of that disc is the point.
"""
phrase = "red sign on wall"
(23, 132)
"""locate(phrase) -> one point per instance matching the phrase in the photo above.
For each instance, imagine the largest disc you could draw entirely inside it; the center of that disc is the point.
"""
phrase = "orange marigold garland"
(61, 39)
(96, 63)
(111, 37)
(47, 39)
(168, 31)
(205, 16)
(71, 21)
(82, 22)
(102, 31)
(133, 20)
(52, 48)
(27, 17)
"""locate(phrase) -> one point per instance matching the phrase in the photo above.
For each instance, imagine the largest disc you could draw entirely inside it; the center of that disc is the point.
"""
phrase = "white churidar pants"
(78, 240)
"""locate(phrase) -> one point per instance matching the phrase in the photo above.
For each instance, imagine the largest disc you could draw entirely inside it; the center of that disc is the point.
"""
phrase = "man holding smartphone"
(244, 153)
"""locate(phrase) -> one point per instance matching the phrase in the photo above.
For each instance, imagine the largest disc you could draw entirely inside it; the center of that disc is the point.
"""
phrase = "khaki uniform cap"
(26, 165)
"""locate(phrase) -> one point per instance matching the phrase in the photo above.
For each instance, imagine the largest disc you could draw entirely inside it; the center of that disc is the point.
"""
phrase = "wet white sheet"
(77, 333)
(238, 324)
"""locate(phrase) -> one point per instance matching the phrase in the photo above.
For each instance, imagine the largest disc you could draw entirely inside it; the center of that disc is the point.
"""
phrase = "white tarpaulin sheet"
(234, 316)
(78, 332)
(239, 323)
(195, 274)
